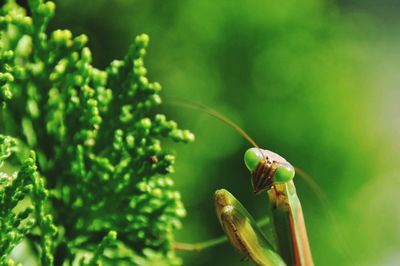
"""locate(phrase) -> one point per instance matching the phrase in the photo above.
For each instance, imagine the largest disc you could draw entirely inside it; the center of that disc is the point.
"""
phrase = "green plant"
(15, 225)
(96, 188)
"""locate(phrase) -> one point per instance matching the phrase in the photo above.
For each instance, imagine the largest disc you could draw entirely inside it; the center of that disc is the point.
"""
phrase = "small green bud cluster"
(17, 220)
(98, 144)
(109, 240)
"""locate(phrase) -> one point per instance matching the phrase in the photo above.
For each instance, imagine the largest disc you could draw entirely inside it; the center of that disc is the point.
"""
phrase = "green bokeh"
(310, 80)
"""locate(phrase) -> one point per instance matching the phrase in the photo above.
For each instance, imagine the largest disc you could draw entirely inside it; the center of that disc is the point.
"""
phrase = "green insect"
(274, 174)
(288, 245)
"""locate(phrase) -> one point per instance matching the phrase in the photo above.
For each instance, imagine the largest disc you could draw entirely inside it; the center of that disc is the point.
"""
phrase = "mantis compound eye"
(284, 173)
(252, 158)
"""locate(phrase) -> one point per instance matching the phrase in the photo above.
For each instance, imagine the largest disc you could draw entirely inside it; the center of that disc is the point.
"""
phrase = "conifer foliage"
(83, 175)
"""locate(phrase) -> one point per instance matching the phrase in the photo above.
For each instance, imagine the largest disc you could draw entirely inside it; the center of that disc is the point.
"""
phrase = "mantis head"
(267, 168)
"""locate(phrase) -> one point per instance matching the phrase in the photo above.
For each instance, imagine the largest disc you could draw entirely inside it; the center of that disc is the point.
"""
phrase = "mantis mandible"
(272, 173)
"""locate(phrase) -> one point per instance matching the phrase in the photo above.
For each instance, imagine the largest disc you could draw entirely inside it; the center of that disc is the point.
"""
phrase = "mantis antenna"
(208, 110)
(203, 108)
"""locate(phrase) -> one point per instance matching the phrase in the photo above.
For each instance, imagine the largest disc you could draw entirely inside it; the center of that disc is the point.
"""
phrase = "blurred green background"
(315, 81)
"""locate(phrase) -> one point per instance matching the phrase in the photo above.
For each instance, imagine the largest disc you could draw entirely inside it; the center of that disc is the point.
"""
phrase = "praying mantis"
(274, 174)
(271, 173)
